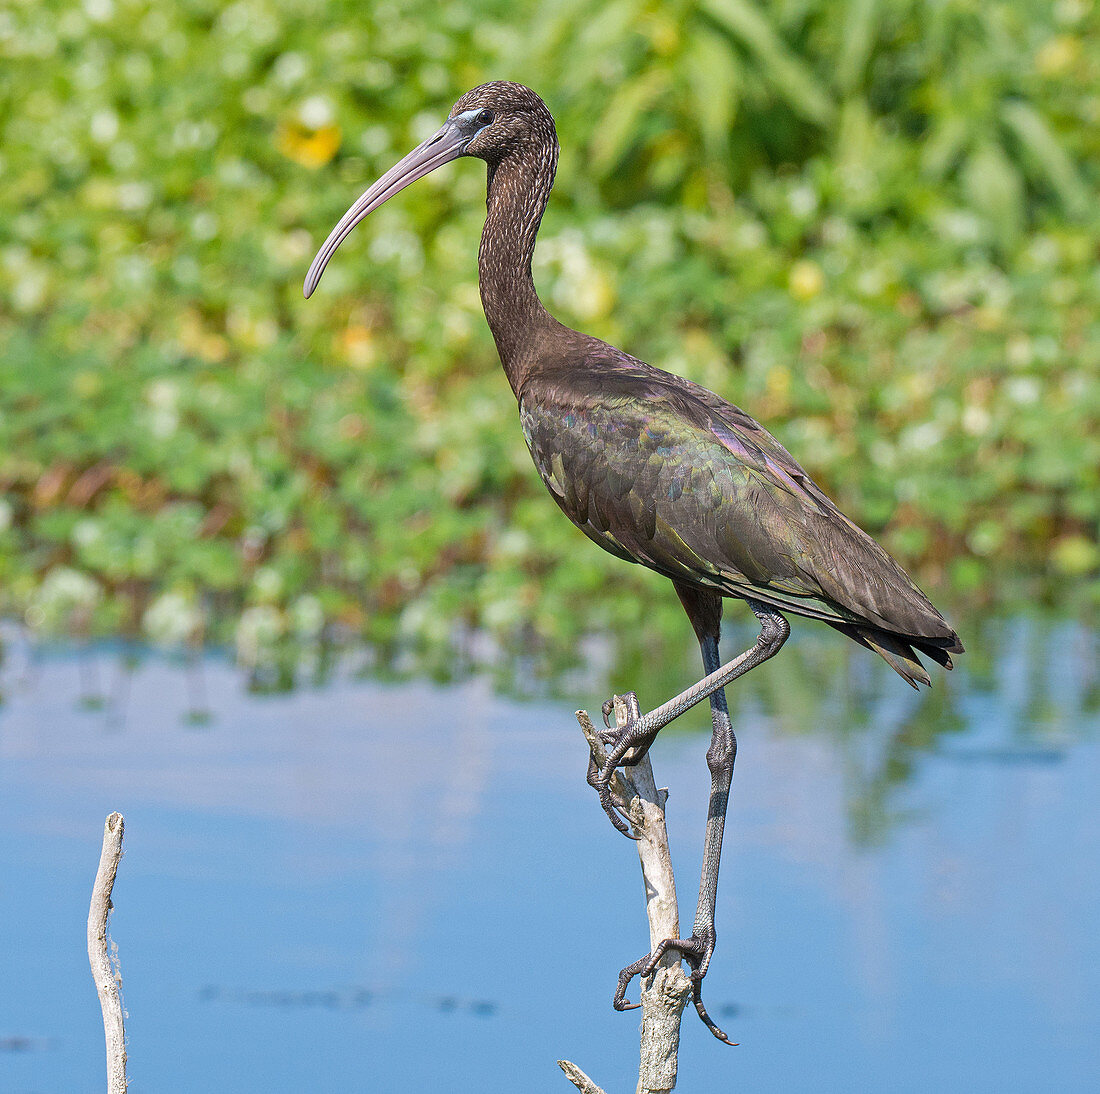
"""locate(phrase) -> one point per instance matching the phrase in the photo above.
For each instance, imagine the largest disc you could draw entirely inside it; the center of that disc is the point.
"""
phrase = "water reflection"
(416, 873)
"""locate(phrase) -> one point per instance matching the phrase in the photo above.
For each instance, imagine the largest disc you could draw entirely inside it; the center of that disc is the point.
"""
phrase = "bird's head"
(509, 117)
(490, 122)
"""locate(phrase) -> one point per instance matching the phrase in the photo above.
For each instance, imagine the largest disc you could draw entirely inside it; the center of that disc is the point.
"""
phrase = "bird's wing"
(668, 475)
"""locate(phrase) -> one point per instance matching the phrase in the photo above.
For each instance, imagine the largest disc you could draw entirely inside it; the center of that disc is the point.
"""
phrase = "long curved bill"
(446, 145)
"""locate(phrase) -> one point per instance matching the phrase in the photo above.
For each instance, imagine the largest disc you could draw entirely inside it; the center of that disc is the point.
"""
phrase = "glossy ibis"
(662, 472)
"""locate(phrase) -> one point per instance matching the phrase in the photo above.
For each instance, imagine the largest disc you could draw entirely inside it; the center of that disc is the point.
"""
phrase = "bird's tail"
(898, 652)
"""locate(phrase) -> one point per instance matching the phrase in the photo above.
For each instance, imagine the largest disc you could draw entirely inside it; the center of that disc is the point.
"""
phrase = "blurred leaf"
(995, 188)
(1047, 155)
(714, 79)
(945, 146)
(857, 41)
(793, 79)
(618, 128)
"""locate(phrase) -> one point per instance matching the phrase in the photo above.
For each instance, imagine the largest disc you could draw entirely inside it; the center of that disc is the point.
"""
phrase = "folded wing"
(666, 474)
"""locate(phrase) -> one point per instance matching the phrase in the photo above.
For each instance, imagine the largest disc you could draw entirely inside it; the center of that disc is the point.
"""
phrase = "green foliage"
(872, 223)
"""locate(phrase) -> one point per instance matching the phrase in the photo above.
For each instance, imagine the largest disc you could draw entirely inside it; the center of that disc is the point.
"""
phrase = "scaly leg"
(626, 746)
(698, 949)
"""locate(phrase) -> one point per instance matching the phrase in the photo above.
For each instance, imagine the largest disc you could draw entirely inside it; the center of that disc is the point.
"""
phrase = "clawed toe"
(620, 1002)
(697, 999)
(696, 951)
(626, 744)
(603, 789)
(600, 780)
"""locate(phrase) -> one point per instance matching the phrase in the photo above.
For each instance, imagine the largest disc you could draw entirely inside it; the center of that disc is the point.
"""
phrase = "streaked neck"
(519, 188)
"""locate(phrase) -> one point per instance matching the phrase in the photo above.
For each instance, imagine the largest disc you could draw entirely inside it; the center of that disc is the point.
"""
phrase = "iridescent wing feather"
(664, 473)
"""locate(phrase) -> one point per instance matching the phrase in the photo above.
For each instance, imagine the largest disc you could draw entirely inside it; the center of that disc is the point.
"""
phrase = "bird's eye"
(485, 117)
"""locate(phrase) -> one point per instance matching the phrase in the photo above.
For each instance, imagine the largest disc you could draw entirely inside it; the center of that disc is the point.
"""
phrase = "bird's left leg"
(628, 744)
(698, 949)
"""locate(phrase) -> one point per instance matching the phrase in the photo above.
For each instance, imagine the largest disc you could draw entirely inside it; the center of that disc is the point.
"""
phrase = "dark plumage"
(661, 472)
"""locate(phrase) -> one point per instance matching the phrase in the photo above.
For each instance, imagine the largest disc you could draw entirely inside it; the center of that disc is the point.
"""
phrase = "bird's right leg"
(699, 948)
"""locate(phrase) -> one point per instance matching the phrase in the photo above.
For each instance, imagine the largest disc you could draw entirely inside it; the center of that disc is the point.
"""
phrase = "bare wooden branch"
(104, 969)
(634, 790)
(578, 1078)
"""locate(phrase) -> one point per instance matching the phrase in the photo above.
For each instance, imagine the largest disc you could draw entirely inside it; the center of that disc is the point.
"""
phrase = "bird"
(661, 472)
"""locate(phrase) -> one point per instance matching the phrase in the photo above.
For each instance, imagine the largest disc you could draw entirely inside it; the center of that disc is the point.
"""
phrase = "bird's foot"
(626, 744)
(697, 952)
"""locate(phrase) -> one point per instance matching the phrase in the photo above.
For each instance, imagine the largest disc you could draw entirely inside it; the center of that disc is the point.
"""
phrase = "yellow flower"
(1057, 56)
(358, 347)
(213, 347)
(778, 382)
(805, 280)
(87, 384)
(310, 147)
(664, 33)
(1075, 555)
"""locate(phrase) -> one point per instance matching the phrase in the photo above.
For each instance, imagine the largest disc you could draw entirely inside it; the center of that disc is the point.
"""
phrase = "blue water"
(402, 887)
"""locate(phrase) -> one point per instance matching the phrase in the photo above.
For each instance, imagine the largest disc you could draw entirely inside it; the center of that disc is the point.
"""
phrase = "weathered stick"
(104, 970)
(664, 997)
(578, 1078)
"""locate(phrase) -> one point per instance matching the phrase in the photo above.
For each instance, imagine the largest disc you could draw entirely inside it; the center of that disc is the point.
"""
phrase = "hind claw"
(697, 952)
